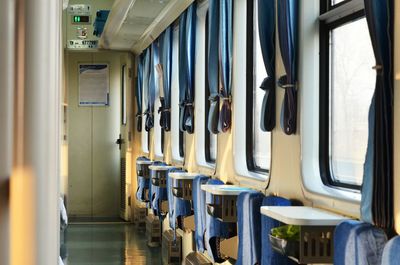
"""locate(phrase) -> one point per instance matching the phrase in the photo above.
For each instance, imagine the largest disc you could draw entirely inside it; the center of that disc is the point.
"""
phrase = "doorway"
(94, 159)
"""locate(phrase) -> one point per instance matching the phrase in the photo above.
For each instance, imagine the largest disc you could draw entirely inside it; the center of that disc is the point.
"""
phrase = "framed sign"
(94, 85)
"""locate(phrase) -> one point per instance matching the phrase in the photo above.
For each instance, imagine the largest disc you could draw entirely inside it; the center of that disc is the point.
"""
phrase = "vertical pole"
(7, 29)
(35, 177)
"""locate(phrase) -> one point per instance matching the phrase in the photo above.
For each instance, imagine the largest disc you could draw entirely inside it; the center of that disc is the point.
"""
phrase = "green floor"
(108, 244)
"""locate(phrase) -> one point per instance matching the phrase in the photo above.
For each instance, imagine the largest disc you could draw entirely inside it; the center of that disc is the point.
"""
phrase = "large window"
(258, 141)
(177, 142)
(347, 84)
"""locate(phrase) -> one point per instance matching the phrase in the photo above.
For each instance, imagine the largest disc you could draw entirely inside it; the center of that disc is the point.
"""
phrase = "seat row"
(223, 212)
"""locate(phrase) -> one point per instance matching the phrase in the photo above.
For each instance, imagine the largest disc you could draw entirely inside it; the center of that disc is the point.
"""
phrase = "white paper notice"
(94, 83)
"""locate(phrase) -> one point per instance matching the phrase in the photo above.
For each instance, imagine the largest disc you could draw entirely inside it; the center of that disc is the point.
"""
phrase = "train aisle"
(108, 244)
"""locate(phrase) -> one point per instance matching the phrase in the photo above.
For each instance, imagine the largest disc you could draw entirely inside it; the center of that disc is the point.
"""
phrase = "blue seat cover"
(249, 227)
(199, 208)
(176, 206)
(391, 252)
(358, 243)
(215, 228)
(268, 255)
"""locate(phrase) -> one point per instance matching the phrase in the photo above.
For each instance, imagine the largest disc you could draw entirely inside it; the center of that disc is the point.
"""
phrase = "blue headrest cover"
(199, 208)
(358, 243)
(391, 252)
(249, 227)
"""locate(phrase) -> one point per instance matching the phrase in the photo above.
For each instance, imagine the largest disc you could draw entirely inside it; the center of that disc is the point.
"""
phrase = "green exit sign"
(80, 19)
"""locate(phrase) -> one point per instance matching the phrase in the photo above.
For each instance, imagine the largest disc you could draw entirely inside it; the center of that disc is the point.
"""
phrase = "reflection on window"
(352, 83)
(261, 141)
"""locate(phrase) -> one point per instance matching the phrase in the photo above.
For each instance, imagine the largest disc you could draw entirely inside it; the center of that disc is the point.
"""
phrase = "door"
(94, 158)
(122, 145)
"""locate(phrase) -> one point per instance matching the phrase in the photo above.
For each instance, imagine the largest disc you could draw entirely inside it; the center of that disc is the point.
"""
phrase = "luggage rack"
(223, 203)
(183, 185)
(317, 226)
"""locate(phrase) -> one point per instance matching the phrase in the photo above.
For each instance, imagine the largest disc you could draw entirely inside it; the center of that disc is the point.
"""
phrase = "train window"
(210, 143)
(346, 89)
(259, 142)
(177, 142)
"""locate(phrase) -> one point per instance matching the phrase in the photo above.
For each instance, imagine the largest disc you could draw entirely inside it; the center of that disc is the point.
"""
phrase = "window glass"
(261, 141)
(177, 142)
(334, 2)
(210, 138)
(352, 83)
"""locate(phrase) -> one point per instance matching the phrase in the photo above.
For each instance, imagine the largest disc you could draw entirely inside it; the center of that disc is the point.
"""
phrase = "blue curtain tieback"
(267, 84)
(139, 122)
(267, 121)
(283, 83)
(225, 117)
(213, 114)
(213, 97)
(189, 123)
(149, 121)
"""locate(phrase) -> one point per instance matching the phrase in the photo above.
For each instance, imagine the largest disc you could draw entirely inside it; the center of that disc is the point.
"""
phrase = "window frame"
(325, 29)
(250, 86)
(244, 176)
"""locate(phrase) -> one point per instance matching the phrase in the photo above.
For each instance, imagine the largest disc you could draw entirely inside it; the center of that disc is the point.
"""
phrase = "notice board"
(94, 85)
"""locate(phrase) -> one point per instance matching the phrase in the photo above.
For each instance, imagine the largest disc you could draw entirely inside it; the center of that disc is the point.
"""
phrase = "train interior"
(199, 132)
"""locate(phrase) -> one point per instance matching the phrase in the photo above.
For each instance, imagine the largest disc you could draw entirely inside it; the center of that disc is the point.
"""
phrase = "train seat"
(216, 229)
(249, 226)
(177, 207)
(391, 252)
(199, 208)
(268, 255)
(358, 243)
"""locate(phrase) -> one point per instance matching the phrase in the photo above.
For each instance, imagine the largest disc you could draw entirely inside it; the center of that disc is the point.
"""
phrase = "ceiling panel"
(133, 21)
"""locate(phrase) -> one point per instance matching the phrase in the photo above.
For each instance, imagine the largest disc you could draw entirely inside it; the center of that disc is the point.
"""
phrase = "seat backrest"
(391, 252)
(358, 243)
(249, 224)
(268, 255)
(199, 208)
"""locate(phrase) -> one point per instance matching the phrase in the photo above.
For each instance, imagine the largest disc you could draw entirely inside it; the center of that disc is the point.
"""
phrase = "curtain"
(213, 60)
(166, 62)
(139, 87)
(226, 40)
(288, 43)
(182, 71)
(266, 29)
(187, 41)
(378, 173)
(146, 78)
(154, 60)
